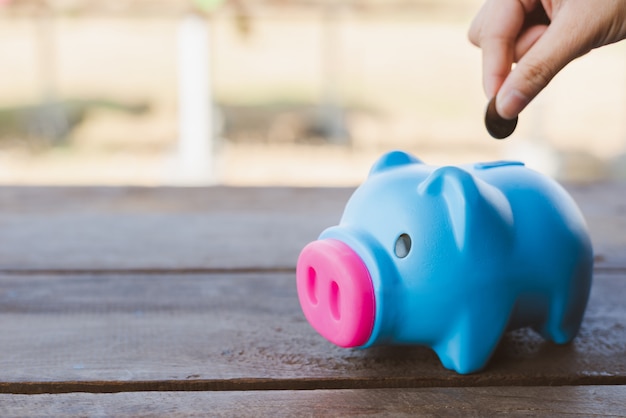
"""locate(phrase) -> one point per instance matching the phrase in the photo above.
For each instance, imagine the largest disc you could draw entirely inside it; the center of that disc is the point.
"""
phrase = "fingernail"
(509, 104)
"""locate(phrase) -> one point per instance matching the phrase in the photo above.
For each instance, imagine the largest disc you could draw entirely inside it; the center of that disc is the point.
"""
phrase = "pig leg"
(477, 333)
(564, 318)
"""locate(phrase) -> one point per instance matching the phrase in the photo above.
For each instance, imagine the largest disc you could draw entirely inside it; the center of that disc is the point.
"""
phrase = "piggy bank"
(450, 258)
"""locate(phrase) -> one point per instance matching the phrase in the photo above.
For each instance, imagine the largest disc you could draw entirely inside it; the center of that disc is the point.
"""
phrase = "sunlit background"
(275, 92)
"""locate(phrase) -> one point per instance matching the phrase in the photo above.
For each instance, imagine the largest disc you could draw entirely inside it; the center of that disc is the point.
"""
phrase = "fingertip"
(510, 102)
(491, 84)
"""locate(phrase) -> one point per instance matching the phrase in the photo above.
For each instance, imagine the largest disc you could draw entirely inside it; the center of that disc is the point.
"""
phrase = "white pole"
(333, 115)
(195, 100)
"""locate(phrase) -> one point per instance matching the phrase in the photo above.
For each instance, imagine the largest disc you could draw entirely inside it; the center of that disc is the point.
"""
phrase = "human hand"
(542, 37)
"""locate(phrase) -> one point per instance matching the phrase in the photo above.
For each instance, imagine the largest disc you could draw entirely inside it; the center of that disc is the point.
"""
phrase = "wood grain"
(216, 228)
(116, 333)
(154, 229)
(583, 401)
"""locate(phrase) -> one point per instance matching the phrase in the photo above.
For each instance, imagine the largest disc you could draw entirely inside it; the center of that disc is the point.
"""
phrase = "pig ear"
(474, 207)
(394, 159)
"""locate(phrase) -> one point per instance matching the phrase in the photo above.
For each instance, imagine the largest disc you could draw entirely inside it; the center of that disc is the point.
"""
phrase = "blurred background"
(276, 92)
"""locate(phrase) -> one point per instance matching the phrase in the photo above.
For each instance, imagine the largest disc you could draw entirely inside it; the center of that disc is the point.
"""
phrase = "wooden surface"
(132, 301)
(577, 401)
(218, 228)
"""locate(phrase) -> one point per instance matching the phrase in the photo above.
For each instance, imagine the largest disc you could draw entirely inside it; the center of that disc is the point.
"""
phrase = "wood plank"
(604, 208)
(96, 228)
(114, 333)
(458, 402)
(169, 228)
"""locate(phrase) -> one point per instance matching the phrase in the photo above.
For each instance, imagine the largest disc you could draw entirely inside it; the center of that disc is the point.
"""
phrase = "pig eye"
(403, 246)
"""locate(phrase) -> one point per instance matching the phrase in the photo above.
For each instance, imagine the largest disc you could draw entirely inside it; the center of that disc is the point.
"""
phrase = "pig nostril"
(335, 307)
(311, 285)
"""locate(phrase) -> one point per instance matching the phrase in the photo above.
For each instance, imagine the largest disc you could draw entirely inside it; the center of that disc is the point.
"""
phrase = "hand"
(542, 37)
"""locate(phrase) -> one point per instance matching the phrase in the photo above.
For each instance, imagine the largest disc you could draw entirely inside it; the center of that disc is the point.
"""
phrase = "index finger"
(495, 31)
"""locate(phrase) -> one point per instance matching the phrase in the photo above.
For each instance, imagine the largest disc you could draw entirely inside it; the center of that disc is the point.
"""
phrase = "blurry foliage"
(172, 7)
(51, 123)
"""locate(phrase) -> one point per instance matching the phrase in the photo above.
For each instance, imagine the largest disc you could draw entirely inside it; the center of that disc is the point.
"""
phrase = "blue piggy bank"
(449, 258)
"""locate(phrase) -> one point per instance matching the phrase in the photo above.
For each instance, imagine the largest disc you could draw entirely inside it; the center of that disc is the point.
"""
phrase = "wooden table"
(138, 301)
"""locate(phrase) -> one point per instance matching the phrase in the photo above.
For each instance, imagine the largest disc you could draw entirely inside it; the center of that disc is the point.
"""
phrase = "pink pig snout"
(336, 292)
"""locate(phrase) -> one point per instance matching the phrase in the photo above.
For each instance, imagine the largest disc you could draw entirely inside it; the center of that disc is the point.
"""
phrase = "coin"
(496, 125)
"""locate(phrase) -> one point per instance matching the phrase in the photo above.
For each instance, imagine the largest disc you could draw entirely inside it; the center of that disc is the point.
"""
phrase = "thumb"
(559, 44)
